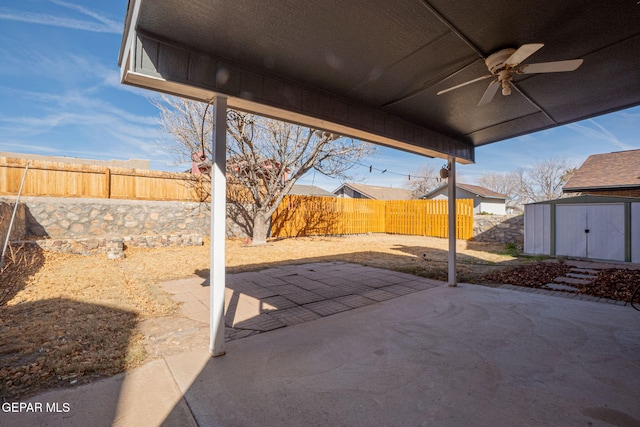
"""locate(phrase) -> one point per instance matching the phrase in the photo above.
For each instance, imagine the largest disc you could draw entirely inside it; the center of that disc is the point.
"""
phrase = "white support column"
(451, 194)
(218, 226)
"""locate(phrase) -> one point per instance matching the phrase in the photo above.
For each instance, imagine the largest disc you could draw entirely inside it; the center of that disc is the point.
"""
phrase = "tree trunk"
(260, 228)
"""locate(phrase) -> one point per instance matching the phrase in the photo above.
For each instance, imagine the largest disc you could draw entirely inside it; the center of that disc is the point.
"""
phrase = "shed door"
(571, 221)
(590, 231)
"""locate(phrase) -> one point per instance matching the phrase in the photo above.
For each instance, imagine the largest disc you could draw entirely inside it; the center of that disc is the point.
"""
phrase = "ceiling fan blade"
(523, 52)
(489, 93)
(551, 67)
(465, 83)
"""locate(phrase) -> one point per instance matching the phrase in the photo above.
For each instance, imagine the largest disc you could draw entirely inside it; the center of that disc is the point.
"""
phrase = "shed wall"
(537, 225)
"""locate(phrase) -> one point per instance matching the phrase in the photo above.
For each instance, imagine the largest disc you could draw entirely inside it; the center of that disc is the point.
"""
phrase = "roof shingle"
(620, 169)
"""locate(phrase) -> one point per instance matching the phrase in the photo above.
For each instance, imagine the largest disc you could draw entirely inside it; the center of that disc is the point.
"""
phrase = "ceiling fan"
(507, 62)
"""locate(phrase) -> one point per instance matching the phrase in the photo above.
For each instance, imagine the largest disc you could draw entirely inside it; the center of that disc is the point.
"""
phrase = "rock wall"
(499, 228)
(98, 226)
(66, 218)
(71, 218)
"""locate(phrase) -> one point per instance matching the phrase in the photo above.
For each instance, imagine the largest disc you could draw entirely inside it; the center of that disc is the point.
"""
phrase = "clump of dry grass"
(60, 342)
(17, 266)
(74, 321)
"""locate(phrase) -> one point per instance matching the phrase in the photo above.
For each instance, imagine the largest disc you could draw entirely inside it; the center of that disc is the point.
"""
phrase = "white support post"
(218, 226)
(451, 194)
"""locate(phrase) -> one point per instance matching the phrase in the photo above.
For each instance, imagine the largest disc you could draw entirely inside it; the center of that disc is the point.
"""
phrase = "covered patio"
(381, 71)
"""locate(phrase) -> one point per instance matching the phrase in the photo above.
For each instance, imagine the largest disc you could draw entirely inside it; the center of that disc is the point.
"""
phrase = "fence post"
(107, 183)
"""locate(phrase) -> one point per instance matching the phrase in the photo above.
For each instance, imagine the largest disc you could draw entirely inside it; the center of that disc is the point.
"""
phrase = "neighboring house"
(484, 200)
(361, 191)
(610, 174)
(310, 190)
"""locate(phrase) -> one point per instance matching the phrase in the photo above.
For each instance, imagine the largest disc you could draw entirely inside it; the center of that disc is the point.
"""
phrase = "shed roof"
(618, 170)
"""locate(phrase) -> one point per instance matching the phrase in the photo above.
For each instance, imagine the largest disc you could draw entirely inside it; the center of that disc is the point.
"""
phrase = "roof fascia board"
(587, 199)
(602, 187)
(129, 34)
(177, 70)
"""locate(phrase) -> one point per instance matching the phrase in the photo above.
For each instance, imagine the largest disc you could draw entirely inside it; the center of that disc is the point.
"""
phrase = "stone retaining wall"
(98, 226)
(72, 218)
(67, 218)
(499, 228)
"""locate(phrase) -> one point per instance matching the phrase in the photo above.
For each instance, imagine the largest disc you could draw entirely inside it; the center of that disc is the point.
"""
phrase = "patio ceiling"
(371, 69)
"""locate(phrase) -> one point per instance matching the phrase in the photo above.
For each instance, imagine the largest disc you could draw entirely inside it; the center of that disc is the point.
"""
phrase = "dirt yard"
(72, 319)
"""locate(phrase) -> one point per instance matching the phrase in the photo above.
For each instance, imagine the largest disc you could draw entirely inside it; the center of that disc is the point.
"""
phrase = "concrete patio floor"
(443, 356)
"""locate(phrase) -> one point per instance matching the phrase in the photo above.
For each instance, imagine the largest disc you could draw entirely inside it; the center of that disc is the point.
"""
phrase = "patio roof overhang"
(371, 69)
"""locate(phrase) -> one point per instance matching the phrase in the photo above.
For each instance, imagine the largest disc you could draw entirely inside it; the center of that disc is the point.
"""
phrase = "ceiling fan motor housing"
(495, 61)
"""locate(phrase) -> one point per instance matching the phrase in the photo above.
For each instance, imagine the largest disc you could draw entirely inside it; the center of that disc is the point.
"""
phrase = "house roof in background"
(310, 190)
(482, 191)
(620, 169)
(378, 192)
(475, 189)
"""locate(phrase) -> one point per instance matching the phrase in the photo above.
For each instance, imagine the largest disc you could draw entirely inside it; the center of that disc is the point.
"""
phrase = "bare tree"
(544, 180)
(265, 157)
(423, 180)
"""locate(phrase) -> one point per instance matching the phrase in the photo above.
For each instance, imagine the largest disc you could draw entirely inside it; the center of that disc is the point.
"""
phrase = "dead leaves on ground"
(532, 275)
(614, 283)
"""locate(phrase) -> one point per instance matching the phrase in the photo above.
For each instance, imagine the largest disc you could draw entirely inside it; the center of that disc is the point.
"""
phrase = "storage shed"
(590, 227)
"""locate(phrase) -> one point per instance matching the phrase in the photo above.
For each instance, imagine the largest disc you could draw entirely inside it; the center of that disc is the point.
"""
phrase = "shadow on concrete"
(257, 302)
(447, 356)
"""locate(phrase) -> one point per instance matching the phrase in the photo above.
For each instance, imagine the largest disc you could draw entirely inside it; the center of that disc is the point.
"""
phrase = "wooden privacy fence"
(306, 216)
(73, 180)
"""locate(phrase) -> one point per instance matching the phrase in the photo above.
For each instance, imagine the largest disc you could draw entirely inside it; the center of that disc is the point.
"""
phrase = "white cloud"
(599, 132)
(99, 23)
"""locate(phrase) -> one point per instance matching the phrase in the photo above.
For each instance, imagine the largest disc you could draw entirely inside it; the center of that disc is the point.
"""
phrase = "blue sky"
(60, 95)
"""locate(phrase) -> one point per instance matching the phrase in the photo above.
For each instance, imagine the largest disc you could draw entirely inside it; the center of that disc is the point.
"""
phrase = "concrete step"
(558, 287)
(572, 280)
(584, 271)
(580, 276)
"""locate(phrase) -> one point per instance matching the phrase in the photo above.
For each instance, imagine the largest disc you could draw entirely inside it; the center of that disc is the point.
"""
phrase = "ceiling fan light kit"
(505, 63)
